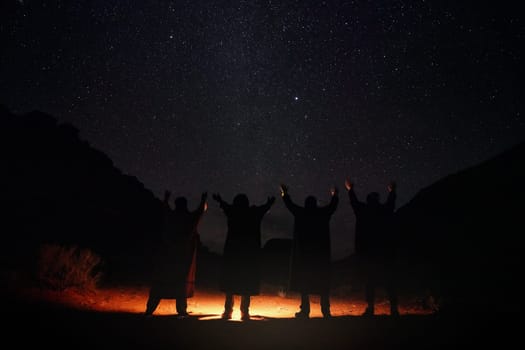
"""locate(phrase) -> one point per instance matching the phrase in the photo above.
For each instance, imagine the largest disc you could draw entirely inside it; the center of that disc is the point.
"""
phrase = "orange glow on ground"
(208, 304)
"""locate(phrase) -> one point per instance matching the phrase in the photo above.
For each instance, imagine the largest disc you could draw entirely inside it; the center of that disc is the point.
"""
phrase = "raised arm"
(332, 206)
(266, 206)
(354, 202)
(390, 203)
(166, 200)
(198, 213)
(203, 205)
(224, 206)
(292, 207)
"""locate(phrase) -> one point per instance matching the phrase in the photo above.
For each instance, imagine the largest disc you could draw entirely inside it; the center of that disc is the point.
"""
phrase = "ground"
(208, 303)
(113, 317)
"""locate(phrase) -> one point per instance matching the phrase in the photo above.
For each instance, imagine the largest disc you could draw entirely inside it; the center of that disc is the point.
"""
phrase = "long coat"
(373, 237)
(175, 268)
(311, 247)
(241, 273)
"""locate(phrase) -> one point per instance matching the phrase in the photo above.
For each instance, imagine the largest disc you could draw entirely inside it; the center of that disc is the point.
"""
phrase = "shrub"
(61, 267)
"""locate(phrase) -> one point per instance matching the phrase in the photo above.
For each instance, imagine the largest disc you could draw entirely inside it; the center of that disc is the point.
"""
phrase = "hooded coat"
(175, 268)
(373, 236)
(241, 273)
(311, 248)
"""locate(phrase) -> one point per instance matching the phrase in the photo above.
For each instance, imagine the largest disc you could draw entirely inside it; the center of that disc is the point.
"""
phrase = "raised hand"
(391, 186)
(204, 196)
(284, 190)
(217, 197)
(348, 184)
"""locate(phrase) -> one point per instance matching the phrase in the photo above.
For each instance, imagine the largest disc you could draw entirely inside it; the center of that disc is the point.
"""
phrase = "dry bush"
(61, 267)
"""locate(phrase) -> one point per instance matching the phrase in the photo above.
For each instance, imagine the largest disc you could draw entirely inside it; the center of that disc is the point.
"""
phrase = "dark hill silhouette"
(59, 189)
(461, 236)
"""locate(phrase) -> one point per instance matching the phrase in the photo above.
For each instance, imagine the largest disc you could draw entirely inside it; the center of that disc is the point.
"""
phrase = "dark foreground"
(42, 325)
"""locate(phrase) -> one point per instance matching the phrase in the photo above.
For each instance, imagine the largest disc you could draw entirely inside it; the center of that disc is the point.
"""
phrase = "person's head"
(181, 203)
(310, 202)
(372, 198)
(241, 201)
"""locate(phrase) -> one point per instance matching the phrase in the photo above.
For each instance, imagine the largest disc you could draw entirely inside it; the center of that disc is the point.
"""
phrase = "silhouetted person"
(311, 250)
(375, 244)
(174, 274)
(242, 252)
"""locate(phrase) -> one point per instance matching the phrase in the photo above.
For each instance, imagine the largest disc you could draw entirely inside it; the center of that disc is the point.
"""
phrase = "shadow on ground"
(30, 324)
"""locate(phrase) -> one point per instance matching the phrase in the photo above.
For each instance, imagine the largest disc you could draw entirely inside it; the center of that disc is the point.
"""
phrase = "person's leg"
(152, 303)
(305, 306)
(325, 305)
(181, 305)
(370, 286)
(228, 306)
(391, 289)
(245, 307)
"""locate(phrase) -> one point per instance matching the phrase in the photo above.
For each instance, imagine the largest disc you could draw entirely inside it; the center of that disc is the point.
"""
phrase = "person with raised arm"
(311, 250)
(174, 272)
(240, 273)
(375, 244)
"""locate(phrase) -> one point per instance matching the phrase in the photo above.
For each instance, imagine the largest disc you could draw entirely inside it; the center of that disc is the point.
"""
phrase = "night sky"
(239, 96)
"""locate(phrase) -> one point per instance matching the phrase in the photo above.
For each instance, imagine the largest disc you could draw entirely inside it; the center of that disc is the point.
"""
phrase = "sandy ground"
(208, 304)
(113, 318)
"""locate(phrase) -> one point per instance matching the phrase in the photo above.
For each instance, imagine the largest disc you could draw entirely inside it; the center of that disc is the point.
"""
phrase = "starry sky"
(240, 96)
